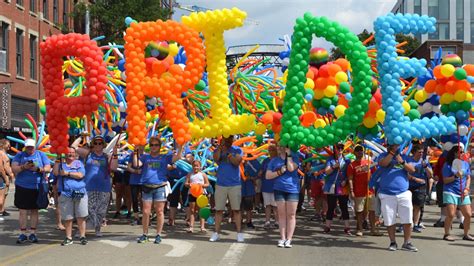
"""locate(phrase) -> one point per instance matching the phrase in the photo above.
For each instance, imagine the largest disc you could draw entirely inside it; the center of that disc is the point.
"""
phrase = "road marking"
(28, 253)
(181, 248)
(235, 252)
(115, 243)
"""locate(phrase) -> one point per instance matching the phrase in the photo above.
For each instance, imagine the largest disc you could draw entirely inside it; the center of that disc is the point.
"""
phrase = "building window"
(33, 56)
(19, 53)
(45, 9)
(460, 9)
(472, 10)
(55, 12)
(445, 50)
(443, 31)
(472, 32)
(460, 30)
(22, 107)
(417, 7)
(65, 13)
(4, 46)
(433, 8)
(33, 6)
(443, 10)
(19, 2)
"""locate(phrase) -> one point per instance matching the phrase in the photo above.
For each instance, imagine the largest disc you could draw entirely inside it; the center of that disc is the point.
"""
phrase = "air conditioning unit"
(3, 60)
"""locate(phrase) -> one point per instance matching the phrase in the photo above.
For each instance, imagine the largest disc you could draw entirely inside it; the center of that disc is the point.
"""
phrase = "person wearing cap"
(456, 189)
(358, 174)
(228, 157)
(29, 167)
(73, 200)
(98, 179)
(394, 195)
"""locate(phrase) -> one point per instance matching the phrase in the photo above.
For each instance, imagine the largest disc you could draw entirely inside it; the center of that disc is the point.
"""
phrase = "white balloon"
(448, 146)
(122, 107)
(463, 130)
(182, 66)
(123, 75)
(152, 101)
(437, 109)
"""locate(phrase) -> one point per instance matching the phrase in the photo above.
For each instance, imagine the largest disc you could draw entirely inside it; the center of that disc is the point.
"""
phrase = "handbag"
(42, 199)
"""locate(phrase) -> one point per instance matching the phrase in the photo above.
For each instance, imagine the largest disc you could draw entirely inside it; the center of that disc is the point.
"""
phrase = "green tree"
(412, 44)
(107, 17)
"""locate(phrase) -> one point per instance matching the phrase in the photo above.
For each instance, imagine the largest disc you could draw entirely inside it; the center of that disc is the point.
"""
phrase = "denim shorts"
(158, 194)
(286, 196)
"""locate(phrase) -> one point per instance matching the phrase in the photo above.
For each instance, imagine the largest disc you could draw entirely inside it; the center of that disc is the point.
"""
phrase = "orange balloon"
(333, 69)
(267, 118)
(437, 72)
(469, 69)
(450, 87)
(321, 83)
(196, 190)
(440, 89)
(343, 63)
(310, 74)
(308, 118)
(430, 86)
(462, 85)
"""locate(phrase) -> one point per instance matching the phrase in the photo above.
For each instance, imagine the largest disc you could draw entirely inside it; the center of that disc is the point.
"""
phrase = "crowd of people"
(281, 183)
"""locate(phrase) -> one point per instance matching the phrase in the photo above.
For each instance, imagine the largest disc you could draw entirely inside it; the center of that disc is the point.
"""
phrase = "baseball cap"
(358, 148)
(30, 143)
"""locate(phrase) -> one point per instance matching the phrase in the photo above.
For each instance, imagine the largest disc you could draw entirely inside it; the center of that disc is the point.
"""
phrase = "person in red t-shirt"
(358, 173)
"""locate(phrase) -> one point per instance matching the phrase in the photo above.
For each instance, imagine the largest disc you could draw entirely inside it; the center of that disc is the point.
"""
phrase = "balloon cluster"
(222, 121)
(373, 117)
(293, 133)
(59, 107)
(398, 127)
(166, 83)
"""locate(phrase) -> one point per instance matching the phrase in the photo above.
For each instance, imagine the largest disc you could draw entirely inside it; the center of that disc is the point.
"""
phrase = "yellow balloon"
(447, 70)
(173, 49)
(468, 96)
(460, 96)
(330, 91)
(421, 96)
(318, 94)
(339, 110)
(369, 122)
(340, 77)
(319, 123)
(309, 84)
(446, 98)
(202, 201)
(406, 107)
(380, 115)
(260, 129)
(285, 76)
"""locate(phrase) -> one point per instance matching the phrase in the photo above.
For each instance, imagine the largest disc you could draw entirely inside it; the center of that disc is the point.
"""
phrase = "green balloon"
(460, 74)
(444, 108)
(344, 87)
(413, 104)
(454, 106)
(200, 86)
(205, 212)
(466, 106)
(414, 114)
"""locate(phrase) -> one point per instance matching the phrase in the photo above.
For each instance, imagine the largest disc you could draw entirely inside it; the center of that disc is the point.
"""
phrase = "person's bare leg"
(407, 232)
(191, 214)
(34, 221)
(218, 221)
(160, 216)
(68, 226)
(238, 220)
(282, 218)
(146, 211)
(290, 218)
(391, 233)
(450, 213)
(81, 224)
(467, 212)
(23, 220)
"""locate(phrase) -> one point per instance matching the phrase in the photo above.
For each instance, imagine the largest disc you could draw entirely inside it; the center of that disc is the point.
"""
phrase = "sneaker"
(142, 239)
(468, 238)
(83, 241)
(5, 213)
(438, 224)
(214, 237)
(359, 233)
(281, 243)
(134, 222)
(240, 237)
(409, 247)
(417, 229)
(288, 244)
(157, 239)
(267, 225)
(2, 219)
(393, 246)
(422, 225)
(365, 225)
(98, 234)
(67, 242)
(250, 225)
(327, 229)
(22, 239)
(400, 229)
(32, 238)
(347, 231)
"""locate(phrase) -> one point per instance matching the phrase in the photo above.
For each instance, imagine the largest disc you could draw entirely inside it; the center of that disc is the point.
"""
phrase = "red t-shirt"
(359, 170)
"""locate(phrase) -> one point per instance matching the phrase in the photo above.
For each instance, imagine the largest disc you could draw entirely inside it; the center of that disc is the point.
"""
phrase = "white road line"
(118, 244)
(235, 252)
(181, 248)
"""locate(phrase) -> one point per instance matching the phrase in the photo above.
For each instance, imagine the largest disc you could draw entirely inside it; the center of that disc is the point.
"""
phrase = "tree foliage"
(412, 44)
(107, 17)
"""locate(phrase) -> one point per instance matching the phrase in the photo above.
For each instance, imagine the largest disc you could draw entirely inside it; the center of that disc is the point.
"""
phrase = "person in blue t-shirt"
(457, 180)
(418, 181)
(73, 200)
(395, 196)
(284, 169)
(335, 188)
(267, 189)
(251, 169)
(228, 158)
(29, 167)
(153, 168)
(98, 180)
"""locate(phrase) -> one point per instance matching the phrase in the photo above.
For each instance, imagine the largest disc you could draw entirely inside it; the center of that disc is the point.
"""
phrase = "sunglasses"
(98, 143)
(71, 155)
(154, 145)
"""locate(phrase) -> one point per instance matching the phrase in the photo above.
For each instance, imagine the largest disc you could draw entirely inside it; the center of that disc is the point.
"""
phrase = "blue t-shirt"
(175, 174)
(248, 188)
(228, 175)
(455, 186)
(252, 168)
(135, 179)
(26, 178)
(66, 185)
(267, 184)
(393, 178)
(288, 182)
(123, 159)
(337, 176)
(155, 169)
(97, 173)
(420, 172)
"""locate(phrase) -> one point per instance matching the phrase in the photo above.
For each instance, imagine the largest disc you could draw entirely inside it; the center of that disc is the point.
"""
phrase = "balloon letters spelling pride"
(293, 133)
(168, 85)
(398, 128)
(59, 107)
(221, 121)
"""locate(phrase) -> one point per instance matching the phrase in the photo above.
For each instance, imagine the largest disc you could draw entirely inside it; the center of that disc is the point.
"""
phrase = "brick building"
(23, 24)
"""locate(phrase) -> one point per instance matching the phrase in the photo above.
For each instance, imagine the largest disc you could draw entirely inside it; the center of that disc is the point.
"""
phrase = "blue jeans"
(286, 196)
(158, 194)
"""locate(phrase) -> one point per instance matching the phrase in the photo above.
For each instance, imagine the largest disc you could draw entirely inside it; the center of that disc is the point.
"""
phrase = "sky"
(277, 18)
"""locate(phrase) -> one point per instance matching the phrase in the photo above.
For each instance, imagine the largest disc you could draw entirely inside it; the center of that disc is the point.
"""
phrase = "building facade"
(23, 25)
(454, 22)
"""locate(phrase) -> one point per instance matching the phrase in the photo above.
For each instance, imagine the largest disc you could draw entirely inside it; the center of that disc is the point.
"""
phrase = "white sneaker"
(240, 237)
(288, 244)
(281, 243)
(2, 219)
(214, 237)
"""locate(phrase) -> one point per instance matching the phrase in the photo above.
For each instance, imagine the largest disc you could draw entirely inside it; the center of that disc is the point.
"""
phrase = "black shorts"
(173, 197)
(121, 178)
(247, 203)
(191, 198)
(439, 194)
(25, 198)
(418, 196)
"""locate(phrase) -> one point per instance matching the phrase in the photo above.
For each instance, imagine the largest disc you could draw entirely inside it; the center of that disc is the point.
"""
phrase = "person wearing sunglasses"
(153, 168)
(98, 166)
(6, 177)
(73, 200)
(29, 167)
